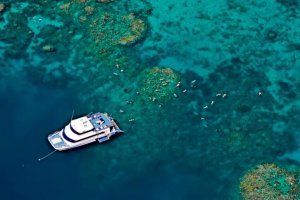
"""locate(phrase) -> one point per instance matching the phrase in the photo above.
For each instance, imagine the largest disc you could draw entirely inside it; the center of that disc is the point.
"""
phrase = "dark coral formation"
(289, 3)
(105, 1)
(17, 36)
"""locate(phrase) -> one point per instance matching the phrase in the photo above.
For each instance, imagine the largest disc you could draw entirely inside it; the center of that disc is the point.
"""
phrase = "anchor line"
(49, 154)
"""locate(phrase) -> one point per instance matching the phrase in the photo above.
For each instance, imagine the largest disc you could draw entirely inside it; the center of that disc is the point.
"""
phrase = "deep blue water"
(236, 105)
(31, 111)
(29, 114)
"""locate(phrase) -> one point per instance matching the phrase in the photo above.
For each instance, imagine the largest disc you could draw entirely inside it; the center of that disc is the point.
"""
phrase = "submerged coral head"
(2, 7)
(105, 1)
(268, 181)
(159, 84)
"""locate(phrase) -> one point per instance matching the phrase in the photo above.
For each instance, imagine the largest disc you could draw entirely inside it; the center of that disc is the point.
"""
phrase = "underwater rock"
(2, 7)
(268, 181)
(158, 84)
(271, 35)
(65, 6)
(48, 48)
(89, 10)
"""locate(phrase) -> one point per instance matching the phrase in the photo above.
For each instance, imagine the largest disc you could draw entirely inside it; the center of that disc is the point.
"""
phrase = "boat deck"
(100, 121)
(56, 141)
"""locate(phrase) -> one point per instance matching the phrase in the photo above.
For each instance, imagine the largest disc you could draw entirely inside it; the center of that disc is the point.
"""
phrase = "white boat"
(84, 130)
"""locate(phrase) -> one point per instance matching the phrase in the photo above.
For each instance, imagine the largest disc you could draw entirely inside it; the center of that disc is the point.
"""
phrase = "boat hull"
(58, 142)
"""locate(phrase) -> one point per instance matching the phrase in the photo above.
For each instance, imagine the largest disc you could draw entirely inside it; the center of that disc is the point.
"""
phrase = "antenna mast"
(72, 116)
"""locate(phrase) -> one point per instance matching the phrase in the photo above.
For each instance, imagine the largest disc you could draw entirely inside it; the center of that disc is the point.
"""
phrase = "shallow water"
(236, 106)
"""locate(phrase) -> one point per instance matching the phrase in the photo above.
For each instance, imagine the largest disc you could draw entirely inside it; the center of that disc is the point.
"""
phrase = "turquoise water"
(234, 104)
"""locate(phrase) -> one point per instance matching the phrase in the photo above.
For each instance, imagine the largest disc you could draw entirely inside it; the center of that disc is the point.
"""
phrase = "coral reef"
(159, 84)
(227, 101)
(111, 30)
(92, 31)
(135, 32)
(105, 32)
(268, 181)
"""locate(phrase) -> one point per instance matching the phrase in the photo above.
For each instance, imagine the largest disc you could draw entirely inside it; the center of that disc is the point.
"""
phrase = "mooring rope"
(49, 154)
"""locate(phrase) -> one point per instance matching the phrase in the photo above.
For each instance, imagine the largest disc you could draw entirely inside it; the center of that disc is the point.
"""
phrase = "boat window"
(73, 141)
(67, 138)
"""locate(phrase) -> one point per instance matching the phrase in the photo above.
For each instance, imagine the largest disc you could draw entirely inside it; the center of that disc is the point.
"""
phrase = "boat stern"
(57, 142)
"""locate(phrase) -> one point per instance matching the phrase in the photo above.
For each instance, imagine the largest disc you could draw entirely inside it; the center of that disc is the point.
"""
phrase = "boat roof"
(82, 124)
(97, 121)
